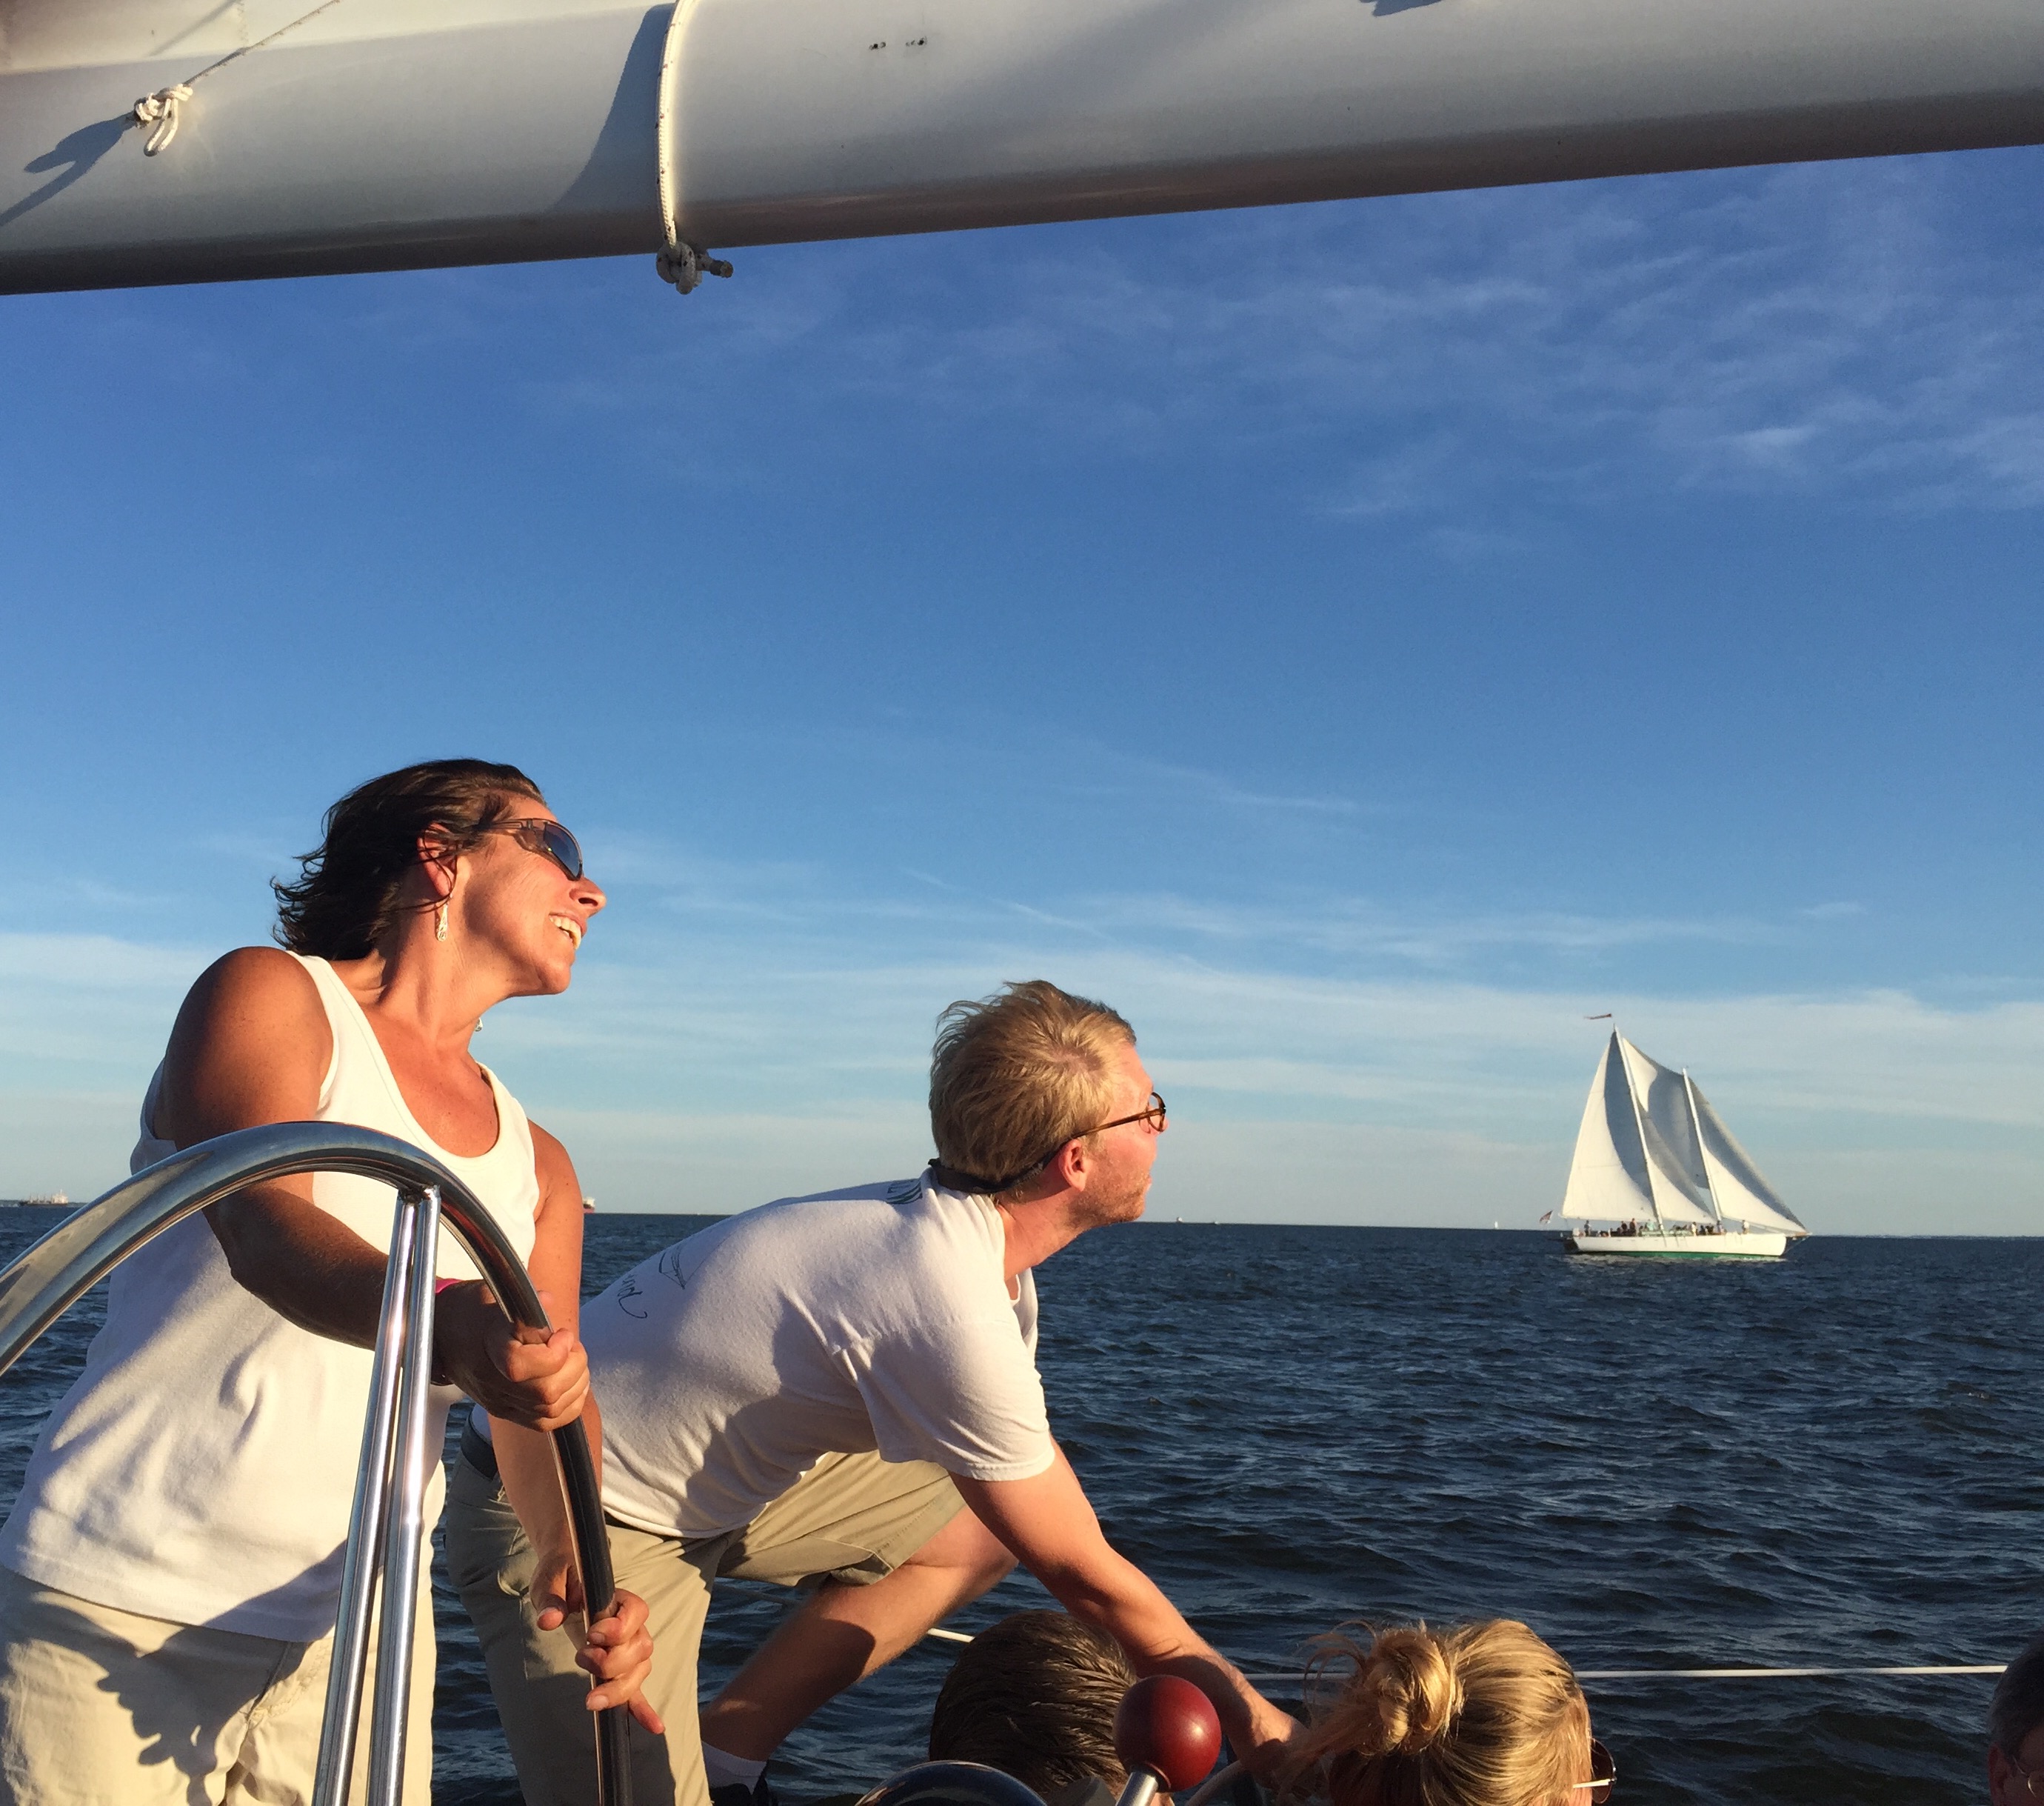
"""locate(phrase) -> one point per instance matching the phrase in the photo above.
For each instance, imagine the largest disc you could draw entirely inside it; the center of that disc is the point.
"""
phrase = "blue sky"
(1358, 641)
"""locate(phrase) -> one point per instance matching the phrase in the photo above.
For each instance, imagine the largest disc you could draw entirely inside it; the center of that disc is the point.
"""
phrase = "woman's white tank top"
(202, 1469)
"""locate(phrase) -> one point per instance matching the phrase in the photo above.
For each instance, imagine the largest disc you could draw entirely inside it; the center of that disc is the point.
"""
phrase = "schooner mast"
(1640, 1121)
(1695, 1122)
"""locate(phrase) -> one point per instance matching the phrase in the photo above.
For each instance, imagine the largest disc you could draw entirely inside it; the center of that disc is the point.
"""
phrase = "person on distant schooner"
(171, 1574)
(842, 1389)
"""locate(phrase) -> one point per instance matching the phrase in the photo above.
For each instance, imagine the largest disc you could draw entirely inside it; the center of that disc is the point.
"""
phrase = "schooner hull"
(1731, 1246)
(394, 133)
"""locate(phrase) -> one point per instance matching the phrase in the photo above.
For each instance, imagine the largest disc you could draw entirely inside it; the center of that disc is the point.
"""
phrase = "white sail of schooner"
(1654, 1158)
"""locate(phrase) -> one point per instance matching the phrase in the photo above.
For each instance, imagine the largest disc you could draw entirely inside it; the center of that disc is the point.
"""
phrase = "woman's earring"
(440, 920)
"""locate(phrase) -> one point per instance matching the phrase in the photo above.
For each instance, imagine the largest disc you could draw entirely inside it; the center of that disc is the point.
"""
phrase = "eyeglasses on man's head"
(1152, 1113)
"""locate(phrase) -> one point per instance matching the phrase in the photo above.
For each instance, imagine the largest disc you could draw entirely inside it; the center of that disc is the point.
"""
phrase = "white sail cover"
(1743, 1194)
(1675, 1157)
(1608, 1178)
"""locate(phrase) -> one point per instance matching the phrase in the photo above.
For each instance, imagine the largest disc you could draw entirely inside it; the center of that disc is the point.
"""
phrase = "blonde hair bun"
(1410, 1679)
(1481, 1714)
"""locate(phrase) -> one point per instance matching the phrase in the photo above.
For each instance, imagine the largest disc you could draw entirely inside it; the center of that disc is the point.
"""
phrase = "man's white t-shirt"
(875, 1319)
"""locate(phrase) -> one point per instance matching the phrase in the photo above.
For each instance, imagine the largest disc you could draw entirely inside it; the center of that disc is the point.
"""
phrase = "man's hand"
(618, 1651)
(1271, 1736)
(540, 1383)
(1048, 1524)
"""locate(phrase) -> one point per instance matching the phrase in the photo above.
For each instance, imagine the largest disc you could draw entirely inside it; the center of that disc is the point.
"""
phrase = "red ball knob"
(1169, 1726)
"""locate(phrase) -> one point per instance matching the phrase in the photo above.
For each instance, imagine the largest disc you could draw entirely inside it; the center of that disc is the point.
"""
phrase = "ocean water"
(1830, 1460)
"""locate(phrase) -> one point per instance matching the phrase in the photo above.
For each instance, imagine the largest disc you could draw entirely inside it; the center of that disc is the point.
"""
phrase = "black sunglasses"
(537, 834)
(1603, 1776)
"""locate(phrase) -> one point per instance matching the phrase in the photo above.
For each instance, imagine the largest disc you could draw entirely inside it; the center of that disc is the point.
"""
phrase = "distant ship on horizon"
(55, 1201)
(1655, 1160)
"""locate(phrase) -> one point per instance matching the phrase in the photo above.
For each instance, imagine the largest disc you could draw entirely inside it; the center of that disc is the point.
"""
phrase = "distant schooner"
(1655, 1160)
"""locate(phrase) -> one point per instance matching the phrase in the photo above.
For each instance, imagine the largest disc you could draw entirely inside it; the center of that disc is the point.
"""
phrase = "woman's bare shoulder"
(251, 1045)
(262, 981)
(555, 1170)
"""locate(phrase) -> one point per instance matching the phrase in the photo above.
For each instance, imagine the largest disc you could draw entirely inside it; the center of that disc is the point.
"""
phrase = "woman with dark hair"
(170, 1575)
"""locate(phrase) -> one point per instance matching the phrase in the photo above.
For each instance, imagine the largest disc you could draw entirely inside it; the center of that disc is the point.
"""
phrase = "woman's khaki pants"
(100, 1706)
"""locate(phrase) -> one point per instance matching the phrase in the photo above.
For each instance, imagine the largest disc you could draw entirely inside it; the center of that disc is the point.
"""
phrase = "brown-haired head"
(1035, 1697)
(350, 887)
(1016, 1076)
(1476, 1715)
(2017, 1706)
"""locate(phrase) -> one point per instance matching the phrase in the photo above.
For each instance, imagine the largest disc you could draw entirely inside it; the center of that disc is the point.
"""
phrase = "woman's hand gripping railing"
(91, 1242)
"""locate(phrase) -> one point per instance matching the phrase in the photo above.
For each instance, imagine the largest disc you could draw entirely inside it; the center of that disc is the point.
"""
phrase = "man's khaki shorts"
(853, 1519)
(100, 1706)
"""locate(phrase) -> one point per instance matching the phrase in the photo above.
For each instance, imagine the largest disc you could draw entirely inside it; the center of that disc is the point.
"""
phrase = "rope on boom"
(164, 110)
(681, 264)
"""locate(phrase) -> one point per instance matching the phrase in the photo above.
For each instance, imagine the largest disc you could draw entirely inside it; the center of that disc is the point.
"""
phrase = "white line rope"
(681, 264)
(1294, 1680)
(164, 110)
(1771, 1674)
(1296, 1677)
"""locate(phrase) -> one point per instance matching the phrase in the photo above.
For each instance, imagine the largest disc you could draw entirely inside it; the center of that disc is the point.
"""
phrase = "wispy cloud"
(712, 1070)
(1354, 927)
(1092, 768)
(1828, 329)
(269, 853)
(86, 1012)
(91, 962)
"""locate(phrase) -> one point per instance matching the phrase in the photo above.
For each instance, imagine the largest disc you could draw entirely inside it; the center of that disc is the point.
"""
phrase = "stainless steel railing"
(385, 1529)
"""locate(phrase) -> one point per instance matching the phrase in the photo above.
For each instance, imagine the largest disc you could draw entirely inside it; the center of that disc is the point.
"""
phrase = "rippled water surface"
(1831, 1460)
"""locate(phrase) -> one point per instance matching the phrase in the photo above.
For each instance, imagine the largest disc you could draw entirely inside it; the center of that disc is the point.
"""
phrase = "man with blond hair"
(841, 1391)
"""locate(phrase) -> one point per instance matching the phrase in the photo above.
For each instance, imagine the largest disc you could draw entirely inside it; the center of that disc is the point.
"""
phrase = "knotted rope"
(160, 109)
(163, 109)
(684, 266)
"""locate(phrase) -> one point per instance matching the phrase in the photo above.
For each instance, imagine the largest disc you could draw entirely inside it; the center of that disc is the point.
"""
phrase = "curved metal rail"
(90, 1243)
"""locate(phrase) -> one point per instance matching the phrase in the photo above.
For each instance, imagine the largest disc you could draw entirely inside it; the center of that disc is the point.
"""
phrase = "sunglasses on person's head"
(1603, 1776)
(537, 834)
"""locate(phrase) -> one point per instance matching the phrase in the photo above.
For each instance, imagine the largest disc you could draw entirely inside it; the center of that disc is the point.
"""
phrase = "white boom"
(386, 134)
